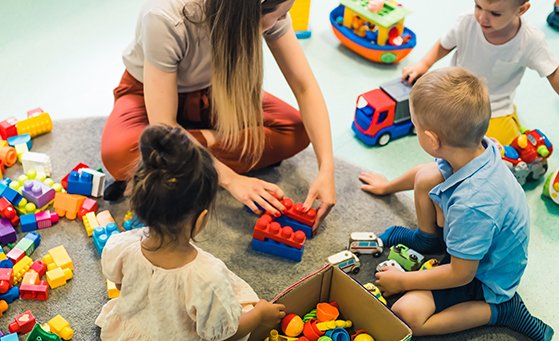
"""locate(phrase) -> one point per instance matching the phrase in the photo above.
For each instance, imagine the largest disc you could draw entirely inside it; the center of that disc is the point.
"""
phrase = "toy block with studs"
(39, 267)
(58, 277)
(64, 180)
(32, 288)
(15, 255)
(7, 211)
(35, 125)
(59, 326)
(6, 278)
(104, 218)
(7, 232)
(11, 295)
(278, 249)
(38, 333)
(38, 192)
(23, 323)
(20, 268)
(68, 205)
(20, 139)
(88, 205)
(39, 162)
(46, 219)
(98, 182)
(80, 183)
(266, 228)
(102, 234)
(8, 128)
(296, 212)
(58, 258)
(90, 223)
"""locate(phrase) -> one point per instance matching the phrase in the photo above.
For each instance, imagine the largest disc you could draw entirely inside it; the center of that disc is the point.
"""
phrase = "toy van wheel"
(397, 249)
(384, 139)
(358, 254)
(355, 270)
(413, 258)
(377, 254)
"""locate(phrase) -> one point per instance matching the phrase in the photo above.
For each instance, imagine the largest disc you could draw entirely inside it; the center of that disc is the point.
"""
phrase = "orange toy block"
(59, 326)
(112, 290)
(296, 212)
(58, 277)
(3, 307)
(266, 228)
(68, 205)
(58, 258)
(35, 125)
(20, 268)
(104, 218)
(90, 223)
(30, 277)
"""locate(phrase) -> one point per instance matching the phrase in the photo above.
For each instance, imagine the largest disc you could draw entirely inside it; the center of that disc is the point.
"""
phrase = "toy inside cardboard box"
(355, 304)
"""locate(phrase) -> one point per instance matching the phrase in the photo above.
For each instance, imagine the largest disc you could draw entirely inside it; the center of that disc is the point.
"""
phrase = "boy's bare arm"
(458, 273)
(378, 184)
(436, 53)
(554, 80)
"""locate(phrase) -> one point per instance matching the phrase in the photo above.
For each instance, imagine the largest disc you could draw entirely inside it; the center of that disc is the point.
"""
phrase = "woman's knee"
(118, 155)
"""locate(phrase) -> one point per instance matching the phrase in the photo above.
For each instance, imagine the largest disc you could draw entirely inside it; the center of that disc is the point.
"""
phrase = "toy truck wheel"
(397, 249)
(355, 270)
(413, 257)
(377, 254)
(358, 254)
(384, 139)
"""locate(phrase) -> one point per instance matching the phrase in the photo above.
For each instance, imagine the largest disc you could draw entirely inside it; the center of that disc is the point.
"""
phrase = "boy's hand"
(412, 73)
(374, 183)
(390, 281)
(270, 313)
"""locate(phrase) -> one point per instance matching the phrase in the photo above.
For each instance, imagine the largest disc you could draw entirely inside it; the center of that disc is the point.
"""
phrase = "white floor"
(64, 56)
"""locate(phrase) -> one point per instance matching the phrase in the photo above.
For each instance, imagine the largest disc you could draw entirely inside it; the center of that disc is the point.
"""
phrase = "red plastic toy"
(22, 323)
(7, 211)
(296, 212)
(266, 228)
(5, 280)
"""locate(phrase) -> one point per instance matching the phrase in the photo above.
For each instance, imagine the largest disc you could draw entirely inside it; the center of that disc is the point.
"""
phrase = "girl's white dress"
(201, 300)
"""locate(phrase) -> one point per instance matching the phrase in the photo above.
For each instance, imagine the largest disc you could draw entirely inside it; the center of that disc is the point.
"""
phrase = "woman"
(198, 64)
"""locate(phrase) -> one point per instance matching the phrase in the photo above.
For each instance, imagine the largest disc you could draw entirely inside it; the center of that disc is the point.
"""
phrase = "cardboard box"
(355, 304)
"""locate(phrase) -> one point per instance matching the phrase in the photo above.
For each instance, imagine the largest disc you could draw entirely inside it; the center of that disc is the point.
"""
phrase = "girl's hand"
(374, 183)
(322, 189)
(270, 313)
(390, 281)
(412, 73)
(252, 191)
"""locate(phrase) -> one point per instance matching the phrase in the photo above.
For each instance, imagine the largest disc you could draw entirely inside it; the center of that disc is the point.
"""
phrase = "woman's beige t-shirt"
(172, 43)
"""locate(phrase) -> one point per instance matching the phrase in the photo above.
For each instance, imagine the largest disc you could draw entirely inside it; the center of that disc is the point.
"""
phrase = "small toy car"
(346, 260)
(409, 259)
(365, 243)
(551, 187)
(375, 291)
(390, 263)
(431, 263)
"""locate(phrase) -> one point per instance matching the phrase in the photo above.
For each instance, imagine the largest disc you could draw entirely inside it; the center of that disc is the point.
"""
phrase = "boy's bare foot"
(374, 183)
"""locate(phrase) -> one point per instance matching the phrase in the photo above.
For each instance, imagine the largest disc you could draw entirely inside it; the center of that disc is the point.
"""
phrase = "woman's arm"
(296, 70)
(554, 80)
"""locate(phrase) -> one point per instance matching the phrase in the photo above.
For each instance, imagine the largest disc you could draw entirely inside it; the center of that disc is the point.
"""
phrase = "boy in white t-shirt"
(496, 44)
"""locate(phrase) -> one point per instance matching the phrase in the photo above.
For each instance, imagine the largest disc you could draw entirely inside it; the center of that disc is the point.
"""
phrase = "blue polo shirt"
(486, 219)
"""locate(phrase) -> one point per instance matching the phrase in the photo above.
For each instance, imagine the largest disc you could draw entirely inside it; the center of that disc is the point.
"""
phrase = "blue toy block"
(20, 139)
(102, 234)
(133, 223)
(278, 249)
(28, 222)
(80, 183)
(10, 337)
(11, 295)
(303, 34)
(6, 263)
(3, 187)
(11, 195)
(295, 225)
(35, 238)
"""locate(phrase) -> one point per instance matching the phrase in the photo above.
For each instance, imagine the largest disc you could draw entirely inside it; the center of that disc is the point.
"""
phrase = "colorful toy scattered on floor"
(409, 259)
(551, 187)
(383, 114)
(373, 29)
(270, 237)
(300, 14)
(375, 291)
(527, 155)
(365, 243)
(346, 260)
(320, 324)
(553, 18)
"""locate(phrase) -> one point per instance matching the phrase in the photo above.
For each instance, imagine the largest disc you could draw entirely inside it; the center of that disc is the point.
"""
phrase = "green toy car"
(409, 259)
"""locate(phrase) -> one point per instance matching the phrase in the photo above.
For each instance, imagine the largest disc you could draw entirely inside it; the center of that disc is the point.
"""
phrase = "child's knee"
(407, 313)
(427, 177)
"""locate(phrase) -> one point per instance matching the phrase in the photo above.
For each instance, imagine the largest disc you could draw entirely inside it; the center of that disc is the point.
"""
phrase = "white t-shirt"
(198, 301)
(502, 66)
(174, 44)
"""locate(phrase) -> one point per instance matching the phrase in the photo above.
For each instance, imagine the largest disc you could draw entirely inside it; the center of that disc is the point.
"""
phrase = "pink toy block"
(15, 255)
(296, 212)
(8, 128)
(88, 205)
(37, 192)
(39, 267)
(34, 112)
(46, 219)
(5, 279)
(266, 228)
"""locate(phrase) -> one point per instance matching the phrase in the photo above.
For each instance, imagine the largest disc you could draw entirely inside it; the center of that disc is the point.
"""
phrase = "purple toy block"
(80, 183)
(7, 232)
(37, 192)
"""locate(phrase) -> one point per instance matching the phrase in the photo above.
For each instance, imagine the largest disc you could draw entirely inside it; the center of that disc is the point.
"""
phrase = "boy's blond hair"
(517, 2)
(453, 103)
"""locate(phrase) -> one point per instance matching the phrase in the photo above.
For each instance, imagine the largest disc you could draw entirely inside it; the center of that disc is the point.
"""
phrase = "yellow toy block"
(20, 268)
(58, 277)
(104, 217)
(59, 326)
(58, 258)
(329, 325)
(3, 143)
(3, 256)
(300, 12)
(35, 125)
(20, 150)
(112, 290)
(90, 222)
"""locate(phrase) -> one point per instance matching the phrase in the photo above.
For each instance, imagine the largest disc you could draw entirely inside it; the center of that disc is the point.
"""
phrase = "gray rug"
(228, 236)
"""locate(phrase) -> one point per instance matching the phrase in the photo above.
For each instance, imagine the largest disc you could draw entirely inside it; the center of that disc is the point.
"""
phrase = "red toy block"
(39, 267)
(89, 205)
(79, 166)
(15, 255)
(266, 228)
(5, 280)
(8, 211)
(296, 212)
(8, 128)
(22, 323)
(46, 219)
(33, 289)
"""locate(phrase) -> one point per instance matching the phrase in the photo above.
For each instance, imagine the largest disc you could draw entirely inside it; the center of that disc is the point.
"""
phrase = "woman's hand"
(323, 190)
(253, 191)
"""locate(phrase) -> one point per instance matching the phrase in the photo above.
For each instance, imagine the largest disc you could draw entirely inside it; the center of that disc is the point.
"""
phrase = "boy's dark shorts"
(446, 298)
